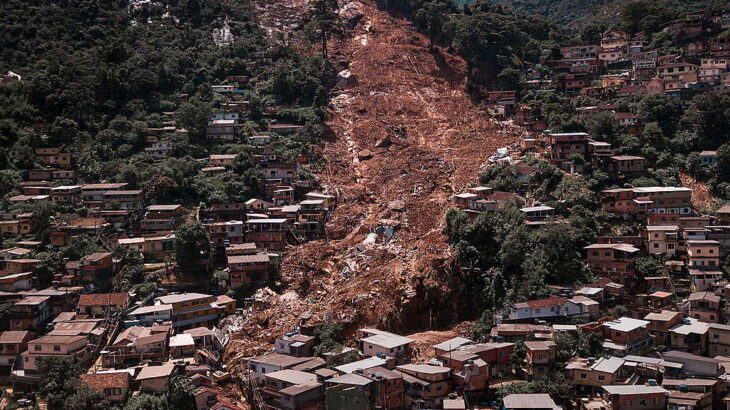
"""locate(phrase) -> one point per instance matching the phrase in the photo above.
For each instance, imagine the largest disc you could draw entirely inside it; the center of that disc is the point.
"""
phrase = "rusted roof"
(104, 299)
(101, 381)
(13, 336)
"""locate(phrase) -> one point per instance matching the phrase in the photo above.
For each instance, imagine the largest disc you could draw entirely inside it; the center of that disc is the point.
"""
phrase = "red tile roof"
(549, 302)
(101, 381)
(104, 299)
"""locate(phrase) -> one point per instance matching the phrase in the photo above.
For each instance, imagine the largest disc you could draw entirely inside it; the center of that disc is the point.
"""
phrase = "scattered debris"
(364, 155)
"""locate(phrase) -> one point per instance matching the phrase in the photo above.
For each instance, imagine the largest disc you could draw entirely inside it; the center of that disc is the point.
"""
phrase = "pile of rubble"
(406, 138)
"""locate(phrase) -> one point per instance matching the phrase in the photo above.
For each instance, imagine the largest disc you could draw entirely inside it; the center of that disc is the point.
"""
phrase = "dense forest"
(576, 14)
(96, 74)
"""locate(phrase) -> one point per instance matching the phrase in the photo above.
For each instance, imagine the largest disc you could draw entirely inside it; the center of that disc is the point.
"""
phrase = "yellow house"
(226, 305)
(613, 82)
(190, 310)
(19, 225)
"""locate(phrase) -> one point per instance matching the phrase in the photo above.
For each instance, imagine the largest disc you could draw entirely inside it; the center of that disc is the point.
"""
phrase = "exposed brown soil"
(701, 197)
(413, 95)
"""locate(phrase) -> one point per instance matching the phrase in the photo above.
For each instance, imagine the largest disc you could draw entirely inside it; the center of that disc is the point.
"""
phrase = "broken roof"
(452, 344)
(385, 339)
(280, 360)
(361, 365)
(183, 297)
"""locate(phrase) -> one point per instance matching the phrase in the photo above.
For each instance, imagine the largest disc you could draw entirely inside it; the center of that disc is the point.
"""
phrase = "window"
(583, 376)
(37, 348)
(56, 348)
(601, 378)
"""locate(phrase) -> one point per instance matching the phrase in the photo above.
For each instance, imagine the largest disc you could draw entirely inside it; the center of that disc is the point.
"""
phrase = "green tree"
(661, 109)
(723, 163)
(180, 393)
(324, 24)
(192, 245)
(147, 401)
(330, 337)
(647, 266)
(85, 398)
(710, 115)
(559, 388)
(59, 382)
(9, 180)
(194, 116)
(602, 125)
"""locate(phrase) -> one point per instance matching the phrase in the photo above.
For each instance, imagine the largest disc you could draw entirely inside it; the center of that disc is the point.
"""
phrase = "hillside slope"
(411, 98)
(576, 13)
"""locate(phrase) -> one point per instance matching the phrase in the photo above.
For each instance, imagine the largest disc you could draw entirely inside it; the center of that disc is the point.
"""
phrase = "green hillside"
(577, 13)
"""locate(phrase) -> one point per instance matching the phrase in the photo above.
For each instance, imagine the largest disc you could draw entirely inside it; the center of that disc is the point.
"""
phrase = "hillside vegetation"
(576, 14)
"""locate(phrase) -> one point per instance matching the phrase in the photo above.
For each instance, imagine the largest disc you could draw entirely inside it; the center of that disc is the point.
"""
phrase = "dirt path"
(414, 95)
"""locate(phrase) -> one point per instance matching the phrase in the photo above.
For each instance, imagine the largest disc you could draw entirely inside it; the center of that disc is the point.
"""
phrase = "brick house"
(30, 313)
(660, 323)
(103, 304)
(631, 397)
(615, 261)
(627, 336)
(114, 386)
(247, 269)
(704, 306)
(703, 254)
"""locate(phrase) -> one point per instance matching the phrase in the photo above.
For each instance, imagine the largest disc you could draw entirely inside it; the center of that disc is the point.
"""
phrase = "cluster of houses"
(245, 236)
(128, 347)
(687, 372)
(622, 66)
(125, 347)
(669, 348)
(383, 376)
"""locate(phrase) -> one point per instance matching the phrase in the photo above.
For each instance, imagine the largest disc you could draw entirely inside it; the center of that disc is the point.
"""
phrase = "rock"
(352, 13)
(364, 155)
(384, 142)
(345, 79)
(397, 205)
